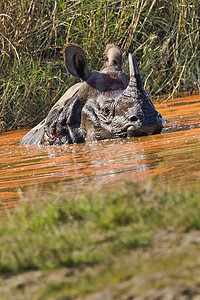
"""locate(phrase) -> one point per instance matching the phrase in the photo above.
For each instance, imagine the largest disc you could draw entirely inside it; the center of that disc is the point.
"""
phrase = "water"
(172, 157)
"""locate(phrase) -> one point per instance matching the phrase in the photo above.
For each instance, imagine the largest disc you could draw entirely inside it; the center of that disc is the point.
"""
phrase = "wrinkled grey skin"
(109, 104)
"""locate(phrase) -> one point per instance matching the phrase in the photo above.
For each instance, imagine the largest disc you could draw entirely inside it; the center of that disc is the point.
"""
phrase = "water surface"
(172, 157)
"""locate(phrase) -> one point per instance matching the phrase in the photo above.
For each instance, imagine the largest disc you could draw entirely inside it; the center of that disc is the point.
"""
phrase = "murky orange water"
(172, 157)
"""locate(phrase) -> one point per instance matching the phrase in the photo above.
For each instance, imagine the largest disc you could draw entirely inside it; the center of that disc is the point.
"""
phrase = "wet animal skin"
(107, 104)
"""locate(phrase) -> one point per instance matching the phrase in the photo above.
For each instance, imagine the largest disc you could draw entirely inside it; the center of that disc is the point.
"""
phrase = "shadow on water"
(172, 157)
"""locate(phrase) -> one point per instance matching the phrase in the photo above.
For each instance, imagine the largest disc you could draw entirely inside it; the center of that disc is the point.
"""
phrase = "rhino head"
(106, 105)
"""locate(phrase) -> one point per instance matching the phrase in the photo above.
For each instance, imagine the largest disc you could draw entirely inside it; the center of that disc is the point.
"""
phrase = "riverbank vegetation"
(83, 243)
(163, 35)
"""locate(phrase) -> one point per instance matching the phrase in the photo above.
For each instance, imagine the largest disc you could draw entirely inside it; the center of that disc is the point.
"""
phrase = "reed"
(163, 35)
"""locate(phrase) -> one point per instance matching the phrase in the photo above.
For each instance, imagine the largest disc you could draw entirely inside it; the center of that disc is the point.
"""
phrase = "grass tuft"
(58, 229)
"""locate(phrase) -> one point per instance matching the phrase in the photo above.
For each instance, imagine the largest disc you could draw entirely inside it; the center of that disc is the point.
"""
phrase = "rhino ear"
(75, 61)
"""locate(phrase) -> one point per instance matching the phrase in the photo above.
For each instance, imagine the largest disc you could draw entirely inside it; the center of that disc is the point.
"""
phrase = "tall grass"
(163, 35)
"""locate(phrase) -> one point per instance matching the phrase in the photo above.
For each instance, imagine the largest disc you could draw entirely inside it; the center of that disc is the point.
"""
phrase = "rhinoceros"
(107, 104)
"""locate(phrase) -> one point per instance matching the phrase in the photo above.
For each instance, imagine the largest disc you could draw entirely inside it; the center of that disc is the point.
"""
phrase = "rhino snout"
(134, 131)
(138, 128)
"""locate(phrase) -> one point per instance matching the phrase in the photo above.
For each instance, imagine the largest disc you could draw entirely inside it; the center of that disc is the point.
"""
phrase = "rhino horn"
(75, 61)
(135, 87)
(135, 82)
(134, 70)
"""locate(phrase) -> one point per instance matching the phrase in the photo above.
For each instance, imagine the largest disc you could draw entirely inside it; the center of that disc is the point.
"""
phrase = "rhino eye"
(106, 110)
(133, 119)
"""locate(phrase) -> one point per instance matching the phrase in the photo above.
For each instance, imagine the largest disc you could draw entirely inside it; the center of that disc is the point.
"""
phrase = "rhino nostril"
(133, 119)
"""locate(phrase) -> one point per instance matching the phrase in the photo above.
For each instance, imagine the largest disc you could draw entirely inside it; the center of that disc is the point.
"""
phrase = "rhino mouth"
(133, 132)
(136, 132)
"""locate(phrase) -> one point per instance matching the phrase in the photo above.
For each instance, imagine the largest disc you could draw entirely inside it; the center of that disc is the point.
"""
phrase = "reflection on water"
(172, 156)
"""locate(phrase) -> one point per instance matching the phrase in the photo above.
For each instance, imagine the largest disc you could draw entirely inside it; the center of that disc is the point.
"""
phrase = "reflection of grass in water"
(164, 37)
(57, 229)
